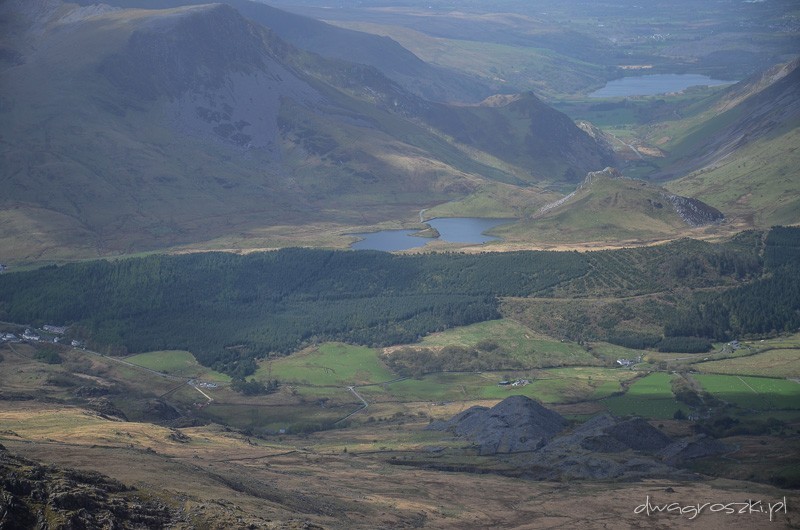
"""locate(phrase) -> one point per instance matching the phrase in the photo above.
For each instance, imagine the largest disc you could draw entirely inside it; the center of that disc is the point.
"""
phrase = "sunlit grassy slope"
(604, 208)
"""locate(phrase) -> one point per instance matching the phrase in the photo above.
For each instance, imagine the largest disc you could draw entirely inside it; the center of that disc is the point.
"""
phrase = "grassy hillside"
(503, 66)
(610, 207)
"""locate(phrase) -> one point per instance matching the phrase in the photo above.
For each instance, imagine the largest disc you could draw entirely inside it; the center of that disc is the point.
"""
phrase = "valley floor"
(224, 480)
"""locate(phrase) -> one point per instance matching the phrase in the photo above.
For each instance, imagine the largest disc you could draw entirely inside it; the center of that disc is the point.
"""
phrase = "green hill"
(608, 207)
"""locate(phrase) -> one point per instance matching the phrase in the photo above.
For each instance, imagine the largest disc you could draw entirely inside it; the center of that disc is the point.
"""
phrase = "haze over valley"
(579, 290)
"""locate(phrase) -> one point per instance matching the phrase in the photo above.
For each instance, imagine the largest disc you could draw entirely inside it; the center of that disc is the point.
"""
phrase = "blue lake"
(651, 85)
(451, 230)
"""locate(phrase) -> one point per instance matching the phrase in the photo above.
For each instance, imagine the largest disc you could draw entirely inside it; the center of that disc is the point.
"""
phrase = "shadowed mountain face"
(523, 130)
(129, 129)
(394, 61)
(218, 86)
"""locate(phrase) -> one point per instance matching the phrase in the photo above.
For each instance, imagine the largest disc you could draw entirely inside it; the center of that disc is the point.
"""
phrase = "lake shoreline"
(462, 230)
(654, 85)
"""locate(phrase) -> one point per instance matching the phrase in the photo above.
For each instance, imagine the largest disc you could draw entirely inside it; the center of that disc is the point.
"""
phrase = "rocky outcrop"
(106, 409)
(700, 446)
(36, 496)
(693, 211)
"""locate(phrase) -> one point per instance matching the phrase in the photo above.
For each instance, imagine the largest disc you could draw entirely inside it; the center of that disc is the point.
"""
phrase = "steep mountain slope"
(742, 155)
(518, 130)
(394, 61)
(128, 130)
(521, 130)
(758, 107)
(151, 128)
(610, 207)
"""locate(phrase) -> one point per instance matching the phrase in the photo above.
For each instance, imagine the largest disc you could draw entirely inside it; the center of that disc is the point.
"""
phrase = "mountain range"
(128, 129)
(240, 125)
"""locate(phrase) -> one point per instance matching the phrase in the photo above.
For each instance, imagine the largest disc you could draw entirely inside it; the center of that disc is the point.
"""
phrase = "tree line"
(229, 310)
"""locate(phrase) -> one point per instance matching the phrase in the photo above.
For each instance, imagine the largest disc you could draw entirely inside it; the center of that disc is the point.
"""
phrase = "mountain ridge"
(692, 211)
(150, 129)
(394, 61)
(742, 156)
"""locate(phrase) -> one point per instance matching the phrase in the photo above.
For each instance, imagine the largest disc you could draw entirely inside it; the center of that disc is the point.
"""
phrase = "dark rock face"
(695, 212)
(514, 425)
(106, 409)
(176, 54)
(36, 496)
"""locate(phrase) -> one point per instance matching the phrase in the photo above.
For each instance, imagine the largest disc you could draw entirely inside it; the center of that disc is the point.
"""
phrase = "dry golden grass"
(363, 491)
(224, 479)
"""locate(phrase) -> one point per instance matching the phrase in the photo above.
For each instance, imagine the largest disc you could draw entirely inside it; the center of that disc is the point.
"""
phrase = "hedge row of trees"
(648, 341)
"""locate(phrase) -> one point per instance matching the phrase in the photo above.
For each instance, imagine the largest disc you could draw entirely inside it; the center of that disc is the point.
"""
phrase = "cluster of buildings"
(627, 363)
(518, 382)
(34, 336)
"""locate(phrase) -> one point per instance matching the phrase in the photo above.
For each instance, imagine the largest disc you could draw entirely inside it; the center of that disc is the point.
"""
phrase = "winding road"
(361, 398)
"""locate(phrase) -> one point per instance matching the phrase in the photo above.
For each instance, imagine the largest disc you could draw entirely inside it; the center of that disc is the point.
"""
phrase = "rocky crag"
(37, 496)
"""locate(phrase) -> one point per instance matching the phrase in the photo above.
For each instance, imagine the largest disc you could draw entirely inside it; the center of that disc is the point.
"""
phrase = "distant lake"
(451, 230)
(651, 85)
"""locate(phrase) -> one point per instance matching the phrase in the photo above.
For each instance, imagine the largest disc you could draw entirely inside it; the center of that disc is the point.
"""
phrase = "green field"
(432, 387)
(330, 364)
(756, 393)
(567, 385)
(178, 363)
(557, 385)
(782, 362)
(293, 418)
(650, 397)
